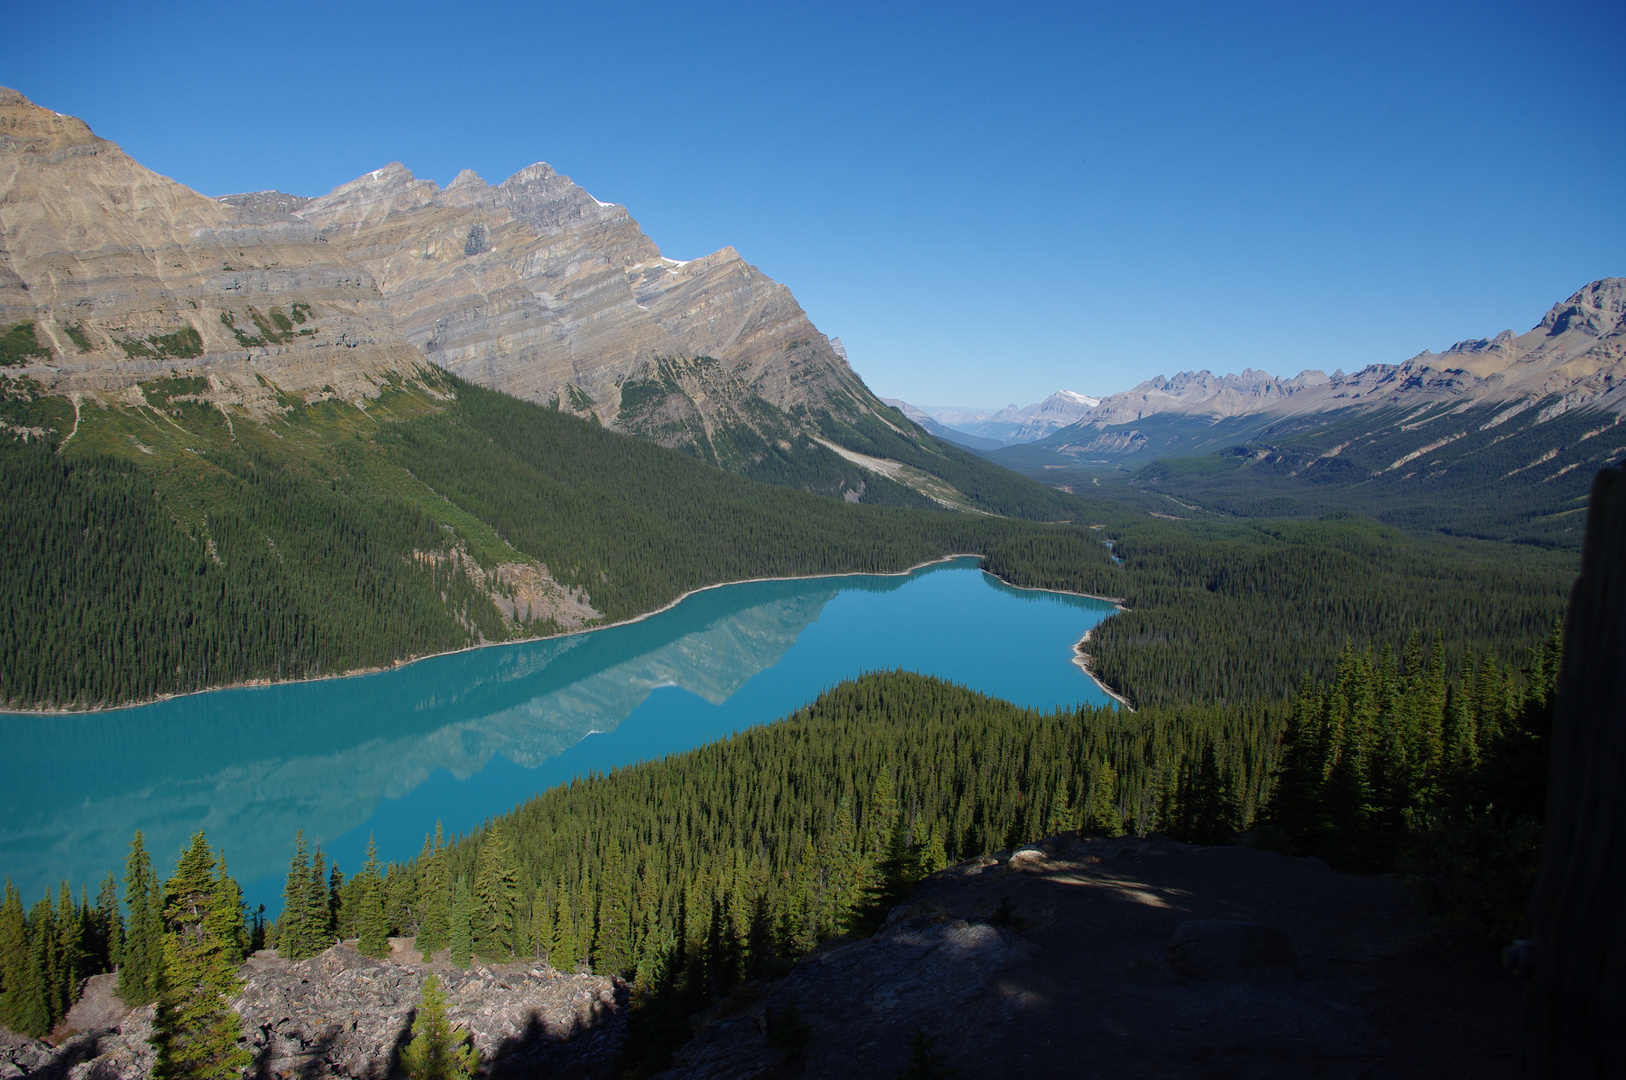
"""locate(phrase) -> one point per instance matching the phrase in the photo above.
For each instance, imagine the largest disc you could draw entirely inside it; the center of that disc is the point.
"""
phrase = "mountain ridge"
(1577, 352)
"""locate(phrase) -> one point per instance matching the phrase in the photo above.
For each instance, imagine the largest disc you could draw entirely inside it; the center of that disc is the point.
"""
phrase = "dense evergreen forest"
(694, 874)
(1282, 689)
(166, 549)
(297, 547)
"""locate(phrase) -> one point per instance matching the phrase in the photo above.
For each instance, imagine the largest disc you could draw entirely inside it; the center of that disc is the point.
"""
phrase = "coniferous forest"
(1329, 687)
(322, 542)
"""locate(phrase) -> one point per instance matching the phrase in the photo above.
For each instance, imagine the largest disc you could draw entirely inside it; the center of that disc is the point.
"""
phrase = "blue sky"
(986, 202)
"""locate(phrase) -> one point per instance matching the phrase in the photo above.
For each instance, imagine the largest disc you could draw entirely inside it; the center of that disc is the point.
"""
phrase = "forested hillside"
(701, 871)
(167, 548)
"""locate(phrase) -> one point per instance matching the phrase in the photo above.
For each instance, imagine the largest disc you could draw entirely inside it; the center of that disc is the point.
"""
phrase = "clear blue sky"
(986, 202)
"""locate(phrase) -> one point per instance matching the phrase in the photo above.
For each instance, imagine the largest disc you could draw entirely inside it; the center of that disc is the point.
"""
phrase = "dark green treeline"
(321, 560)
(1235, 612)
(323, 541)
(694, 873)
(178, 946)
(321, 906)
(1393, 766)
(47, 949)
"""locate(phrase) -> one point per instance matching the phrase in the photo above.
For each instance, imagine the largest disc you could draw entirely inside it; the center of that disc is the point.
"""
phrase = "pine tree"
(373, 931)
(195, 1031)
(562, 949)
(140, 973)
(109, 925)
(437, 1051)
(434, 901)
(70, 949)
(293, 936)
(494, 898)
(460, 933)
(23, 1005)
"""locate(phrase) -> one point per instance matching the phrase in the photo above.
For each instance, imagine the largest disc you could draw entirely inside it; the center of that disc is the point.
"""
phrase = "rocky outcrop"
(1127, 958)
(341, 1014)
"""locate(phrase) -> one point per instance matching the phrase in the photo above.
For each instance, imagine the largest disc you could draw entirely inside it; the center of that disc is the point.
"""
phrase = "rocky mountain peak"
(1595, 309)
(126, 276)
(38, 130)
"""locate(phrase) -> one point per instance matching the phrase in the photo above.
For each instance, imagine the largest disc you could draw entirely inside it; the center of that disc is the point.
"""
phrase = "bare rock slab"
(1229, 949)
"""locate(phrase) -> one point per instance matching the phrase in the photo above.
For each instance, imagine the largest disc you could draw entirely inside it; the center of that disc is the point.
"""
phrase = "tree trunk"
(1576, 1026)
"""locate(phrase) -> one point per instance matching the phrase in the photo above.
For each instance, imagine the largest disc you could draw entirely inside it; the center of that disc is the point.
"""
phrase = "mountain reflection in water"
(465, 736)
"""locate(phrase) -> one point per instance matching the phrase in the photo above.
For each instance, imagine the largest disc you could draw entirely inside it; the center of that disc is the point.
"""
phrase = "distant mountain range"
(984, 429)
(1498, 436)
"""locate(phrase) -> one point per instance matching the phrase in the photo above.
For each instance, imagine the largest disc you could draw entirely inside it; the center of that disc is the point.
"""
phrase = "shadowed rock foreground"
(1075, 959)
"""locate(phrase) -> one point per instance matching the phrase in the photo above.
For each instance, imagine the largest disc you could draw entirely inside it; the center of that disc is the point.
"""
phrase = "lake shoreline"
(248, 684)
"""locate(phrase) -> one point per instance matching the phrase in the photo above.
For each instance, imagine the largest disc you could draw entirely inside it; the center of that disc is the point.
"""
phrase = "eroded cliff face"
(128, 276)
(535, 288)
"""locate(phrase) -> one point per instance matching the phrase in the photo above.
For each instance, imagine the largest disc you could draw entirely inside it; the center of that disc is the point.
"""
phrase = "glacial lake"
(466, 736)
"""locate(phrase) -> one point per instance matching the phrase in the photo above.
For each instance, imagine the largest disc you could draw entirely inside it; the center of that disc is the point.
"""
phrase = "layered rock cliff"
(535, 288)
(111, 275)
(127, 276)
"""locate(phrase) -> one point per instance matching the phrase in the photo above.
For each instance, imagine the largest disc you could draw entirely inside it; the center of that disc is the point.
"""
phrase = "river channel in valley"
(462, 737)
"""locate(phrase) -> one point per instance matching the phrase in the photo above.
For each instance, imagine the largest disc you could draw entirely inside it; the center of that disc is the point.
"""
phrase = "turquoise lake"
(462, 737)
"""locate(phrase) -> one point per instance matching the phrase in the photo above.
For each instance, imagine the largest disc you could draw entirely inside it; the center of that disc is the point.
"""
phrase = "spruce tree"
(1104, 816)
(1060, 818)
(143, 951)
(228, 913)
(460, 933)
(613, 950)
(932, 856)
(195, 1031)
(336, 916)
(437, 1052)
(293, 938)
(434, 900)
(372, 930)
(42, 958)
(317, 906)
(562, 949)
(541, 924)
(109, 924)
(70, 949)
(495, 895)
(23, 1006)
